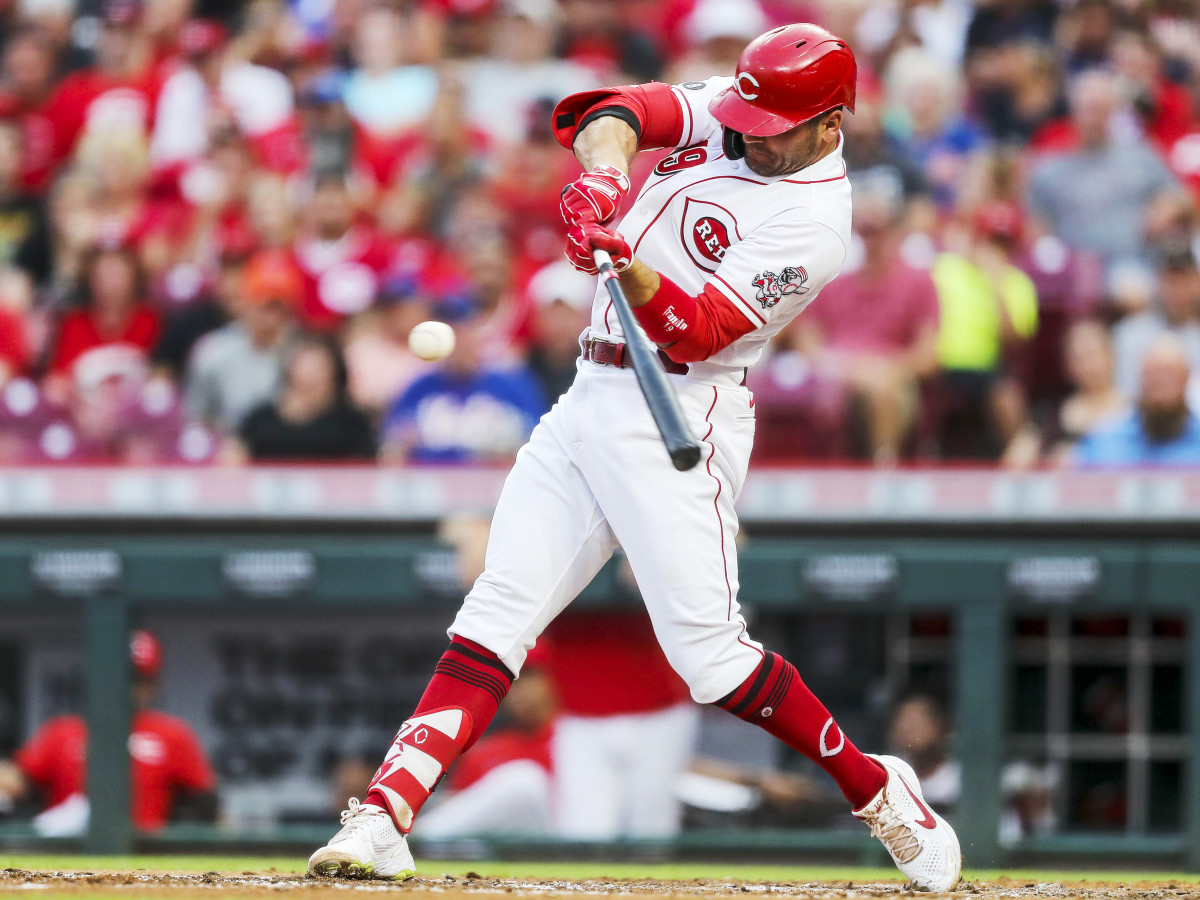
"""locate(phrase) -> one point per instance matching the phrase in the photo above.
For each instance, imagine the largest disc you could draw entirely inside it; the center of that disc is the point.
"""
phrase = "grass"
(562, 871)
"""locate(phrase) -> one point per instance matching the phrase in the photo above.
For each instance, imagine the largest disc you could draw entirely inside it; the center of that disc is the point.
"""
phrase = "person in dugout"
(170, 775)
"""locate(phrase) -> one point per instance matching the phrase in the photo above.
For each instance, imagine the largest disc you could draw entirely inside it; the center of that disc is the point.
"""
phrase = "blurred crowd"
(220, 220)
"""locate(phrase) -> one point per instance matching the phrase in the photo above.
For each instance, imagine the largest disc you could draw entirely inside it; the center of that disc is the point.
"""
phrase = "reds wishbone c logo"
(742, 92)
(825, 749)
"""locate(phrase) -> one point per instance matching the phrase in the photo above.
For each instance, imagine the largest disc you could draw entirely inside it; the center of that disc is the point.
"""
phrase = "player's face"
(796, 149)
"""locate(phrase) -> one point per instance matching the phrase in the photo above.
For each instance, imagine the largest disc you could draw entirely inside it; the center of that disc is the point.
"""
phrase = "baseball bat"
(682, 446)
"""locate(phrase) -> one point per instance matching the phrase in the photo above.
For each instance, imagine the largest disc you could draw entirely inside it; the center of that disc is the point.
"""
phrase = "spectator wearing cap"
(1095, 197)
(208, 84)
(237, 367)
(465, 410)
(989, 308)
(312, 418)
(1177, 312)
(1162, 430)
(875, 329)
(170, 774)
(379, 362)
(521, 70)
(382, 95)
(115, 329)
(563, 299)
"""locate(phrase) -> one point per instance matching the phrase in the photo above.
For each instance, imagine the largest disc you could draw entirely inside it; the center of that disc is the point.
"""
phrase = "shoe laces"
(888, 827)
(353, 808)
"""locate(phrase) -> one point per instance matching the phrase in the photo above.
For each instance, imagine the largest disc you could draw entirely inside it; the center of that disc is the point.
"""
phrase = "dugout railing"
(983, 549)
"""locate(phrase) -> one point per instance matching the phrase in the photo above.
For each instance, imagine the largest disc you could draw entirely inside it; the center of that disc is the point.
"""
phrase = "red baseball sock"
(775, 699)
(458, 705)
(470, 677)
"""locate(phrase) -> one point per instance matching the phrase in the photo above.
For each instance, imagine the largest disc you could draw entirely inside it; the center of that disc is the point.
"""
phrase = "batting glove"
(583, 239)
(594, 196)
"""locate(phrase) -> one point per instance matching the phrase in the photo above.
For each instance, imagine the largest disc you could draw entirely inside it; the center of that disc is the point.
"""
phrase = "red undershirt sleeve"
(694, 327)
(655, 107)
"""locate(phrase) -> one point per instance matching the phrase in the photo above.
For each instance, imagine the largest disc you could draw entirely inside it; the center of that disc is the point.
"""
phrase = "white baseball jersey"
(768, 244)
(595, 474)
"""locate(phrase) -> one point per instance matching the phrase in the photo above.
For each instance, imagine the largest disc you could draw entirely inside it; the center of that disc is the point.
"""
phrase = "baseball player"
(730, 238)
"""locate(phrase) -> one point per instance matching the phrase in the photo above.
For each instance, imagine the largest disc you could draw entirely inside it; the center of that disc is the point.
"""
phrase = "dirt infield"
(253, 885)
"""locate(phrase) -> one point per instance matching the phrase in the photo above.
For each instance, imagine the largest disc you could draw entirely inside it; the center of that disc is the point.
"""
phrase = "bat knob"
(685, 457)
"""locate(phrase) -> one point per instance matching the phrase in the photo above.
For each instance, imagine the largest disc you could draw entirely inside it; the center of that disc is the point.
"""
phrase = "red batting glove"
(594, 196)
(583, 239)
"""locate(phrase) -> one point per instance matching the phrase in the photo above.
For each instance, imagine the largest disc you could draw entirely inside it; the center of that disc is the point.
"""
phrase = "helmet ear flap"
(734, 144)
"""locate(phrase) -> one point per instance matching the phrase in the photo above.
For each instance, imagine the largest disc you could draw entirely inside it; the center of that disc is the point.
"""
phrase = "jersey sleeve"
(693, 98)
(665, 115)
(778, 269)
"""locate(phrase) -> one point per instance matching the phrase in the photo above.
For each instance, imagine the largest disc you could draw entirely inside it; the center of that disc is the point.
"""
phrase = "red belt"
(606, 353)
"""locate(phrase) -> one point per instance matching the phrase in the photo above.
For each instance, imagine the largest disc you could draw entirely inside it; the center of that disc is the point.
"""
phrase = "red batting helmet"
(786, 77)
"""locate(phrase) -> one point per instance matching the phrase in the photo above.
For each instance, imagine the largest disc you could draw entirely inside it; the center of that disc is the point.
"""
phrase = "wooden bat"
(682, 446)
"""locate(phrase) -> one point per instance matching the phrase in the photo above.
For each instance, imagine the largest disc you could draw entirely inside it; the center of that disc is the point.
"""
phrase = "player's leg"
(652, 789)
(589, 777)
(548, 539)
(678, 530)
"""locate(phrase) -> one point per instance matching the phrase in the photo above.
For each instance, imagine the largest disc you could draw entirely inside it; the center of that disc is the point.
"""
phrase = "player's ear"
(831, 125)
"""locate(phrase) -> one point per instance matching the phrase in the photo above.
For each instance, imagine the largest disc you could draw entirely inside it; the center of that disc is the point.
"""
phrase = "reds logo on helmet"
(748, 79)
(771, 288)
(707, 232)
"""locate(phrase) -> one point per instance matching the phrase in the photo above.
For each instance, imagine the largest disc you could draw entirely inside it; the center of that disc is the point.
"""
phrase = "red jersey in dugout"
(166, 759)
(609, 664)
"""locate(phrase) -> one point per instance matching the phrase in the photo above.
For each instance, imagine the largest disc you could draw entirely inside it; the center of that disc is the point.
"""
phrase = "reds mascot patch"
(771, 288)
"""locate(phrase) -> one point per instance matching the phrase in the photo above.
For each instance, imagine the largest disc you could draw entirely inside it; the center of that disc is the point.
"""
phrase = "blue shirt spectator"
(1124, 442)
(454, 417)
(1162, 431)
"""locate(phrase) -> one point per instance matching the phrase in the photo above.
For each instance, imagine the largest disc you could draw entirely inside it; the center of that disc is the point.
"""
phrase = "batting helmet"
(786, 77)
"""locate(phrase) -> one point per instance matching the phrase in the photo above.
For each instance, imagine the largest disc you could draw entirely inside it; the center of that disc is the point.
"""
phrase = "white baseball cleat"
(368, 846)
(921, 843)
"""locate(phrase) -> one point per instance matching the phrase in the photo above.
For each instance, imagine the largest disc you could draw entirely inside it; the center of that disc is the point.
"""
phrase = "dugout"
(1015, 591)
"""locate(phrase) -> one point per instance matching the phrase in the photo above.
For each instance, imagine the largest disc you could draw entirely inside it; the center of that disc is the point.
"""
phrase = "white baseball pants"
(595, 476)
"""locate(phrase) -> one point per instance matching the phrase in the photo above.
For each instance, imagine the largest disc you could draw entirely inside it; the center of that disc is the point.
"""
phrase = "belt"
(606, 353)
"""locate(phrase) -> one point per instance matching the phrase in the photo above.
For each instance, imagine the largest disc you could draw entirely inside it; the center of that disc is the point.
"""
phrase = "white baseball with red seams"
(595, 475)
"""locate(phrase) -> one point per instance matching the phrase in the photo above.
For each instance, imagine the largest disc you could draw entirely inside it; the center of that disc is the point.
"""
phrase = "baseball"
(431, 341)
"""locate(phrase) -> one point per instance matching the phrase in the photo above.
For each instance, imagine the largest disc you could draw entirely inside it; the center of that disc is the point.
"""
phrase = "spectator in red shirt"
(340, 257)
(120, 91)
(115, 322)
(169, 765)
(875, 327)
(29, 72)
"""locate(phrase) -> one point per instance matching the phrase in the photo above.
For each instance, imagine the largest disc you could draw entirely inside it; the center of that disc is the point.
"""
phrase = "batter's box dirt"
(250, 885)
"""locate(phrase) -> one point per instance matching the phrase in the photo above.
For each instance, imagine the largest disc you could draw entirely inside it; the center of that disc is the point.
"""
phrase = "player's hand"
(583, 239)
(594, 196)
